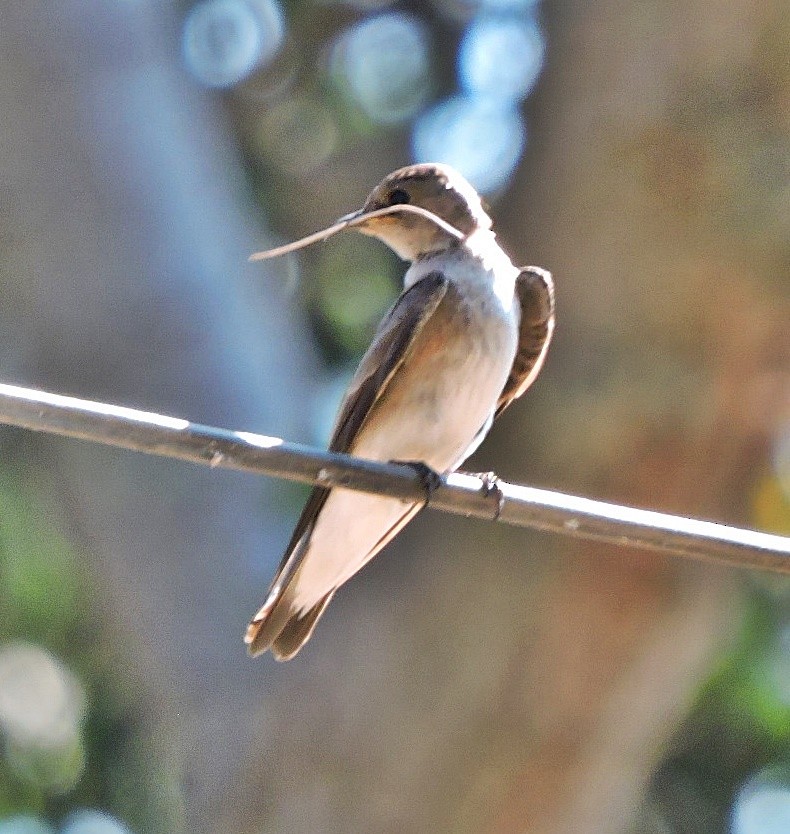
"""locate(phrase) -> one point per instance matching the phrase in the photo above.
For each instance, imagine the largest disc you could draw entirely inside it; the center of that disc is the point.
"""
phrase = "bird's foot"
(430, 479)
(491, 487)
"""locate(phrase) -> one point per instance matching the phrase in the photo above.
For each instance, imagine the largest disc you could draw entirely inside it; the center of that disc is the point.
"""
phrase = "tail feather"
(297, 630)
(281, 627)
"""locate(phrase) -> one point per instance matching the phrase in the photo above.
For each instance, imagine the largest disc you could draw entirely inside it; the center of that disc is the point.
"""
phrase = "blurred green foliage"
(739, 723)
(351, 287)
(48, 601)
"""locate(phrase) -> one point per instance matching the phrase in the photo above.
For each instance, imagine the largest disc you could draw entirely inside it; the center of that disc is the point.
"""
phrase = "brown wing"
(535, 292)
(385, 355)
(394, 338)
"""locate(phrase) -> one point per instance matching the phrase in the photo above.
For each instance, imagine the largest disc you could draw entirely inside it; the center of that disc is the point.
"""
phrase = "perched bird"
(466, 337)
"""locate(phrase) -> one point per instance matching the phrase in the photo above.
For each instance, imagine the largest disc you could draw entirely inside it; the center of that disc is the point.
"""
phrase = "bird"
(466, 337)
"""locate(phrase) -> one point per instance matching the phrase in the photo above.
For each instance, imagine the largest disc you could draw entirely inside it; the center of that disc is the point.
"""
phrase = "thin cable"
(459, 493)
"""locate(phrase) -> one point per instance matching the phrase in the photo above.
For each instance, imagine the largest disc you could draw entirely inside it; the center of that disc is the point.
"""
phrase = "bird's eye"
(398, 196)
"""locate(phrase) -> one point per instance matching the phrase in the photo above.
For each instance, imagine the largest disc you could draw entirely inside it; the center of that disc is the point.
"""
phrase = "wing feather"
(535, 293)
(390, 347)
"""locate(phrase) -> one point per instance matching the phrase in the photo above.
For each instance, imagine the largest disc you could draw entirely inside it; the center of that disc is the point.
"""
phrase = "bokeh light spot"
(25, 824)
(770, 501)
(480, 139)
(225, 40)
(297, 134)
(508, 5)
(762, 805)
(461, 10)
(779, 665)
(383, 65)
(41, 702)
(93, 822)
(42, 706)
(781, 460)
(362, 5)
(501, 57)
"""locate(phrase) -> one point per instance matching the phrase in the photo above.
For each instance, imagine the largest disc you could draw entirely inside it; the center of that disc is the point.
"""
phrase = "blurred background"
(472, 678)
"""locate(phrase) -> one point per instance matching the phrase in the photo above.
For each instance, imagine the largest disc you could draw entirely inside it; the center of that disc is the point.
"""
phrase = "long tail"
(281, 627)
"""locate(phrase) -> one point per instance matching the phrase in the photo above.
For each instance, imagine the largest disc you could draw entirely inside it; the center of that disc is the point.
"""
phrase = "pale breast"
(445, 391)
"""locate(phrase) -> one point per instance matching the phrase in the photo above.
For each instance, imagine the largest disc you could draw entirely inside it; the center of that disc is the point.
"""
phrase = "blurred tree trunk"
(125, 279)
(642, 203)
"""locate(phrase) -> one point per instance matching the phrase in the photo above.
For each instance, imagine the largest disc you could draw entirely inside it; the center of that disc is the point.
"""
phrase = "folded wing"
(278, 624)
(535, 293)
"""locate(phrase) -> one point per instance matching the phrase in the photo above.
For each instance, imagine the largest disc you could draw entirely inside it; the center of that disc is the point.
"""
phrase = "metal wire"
(459, 493)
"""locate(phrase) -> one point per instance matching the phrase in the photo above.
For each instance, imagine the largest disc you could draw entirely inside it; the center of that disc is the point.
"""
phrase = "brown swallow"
(467, 336)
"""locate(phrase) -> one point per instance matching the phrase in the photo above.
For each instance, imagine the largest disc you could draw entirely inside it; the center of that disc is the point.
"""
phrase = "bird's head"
(416, 211)
(440, 192)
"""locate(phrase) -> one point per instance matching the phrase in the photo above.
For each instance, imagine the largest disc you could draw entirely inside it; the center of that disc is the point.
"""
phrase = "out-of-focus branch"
(459, 493)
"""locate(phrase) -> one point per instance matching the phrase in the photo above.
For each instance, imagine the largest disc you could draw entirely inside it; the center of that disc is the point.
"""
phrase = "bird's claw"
(491, 487)
(430, 479)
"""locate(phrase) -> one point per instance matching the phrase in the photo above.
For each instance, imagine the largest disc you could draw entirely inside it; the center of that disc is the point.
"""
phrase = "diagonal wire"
(459, 493)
